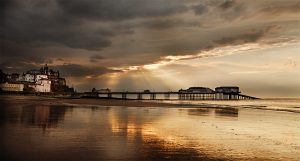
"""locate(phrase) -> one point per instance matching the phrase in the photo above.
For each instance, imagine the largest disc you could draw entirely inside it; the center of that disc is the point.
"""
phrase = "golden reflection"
(146, 130)
(119, 125)
(42, 115)
(154, 133)
(115, 126)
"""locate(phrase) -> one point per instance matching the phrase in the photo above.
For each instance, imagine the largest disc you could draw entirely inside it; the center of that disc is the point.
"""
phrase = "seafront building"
(197, 90)
(42, 85)
(227, 92)
(42, 80)
(16, 87)
(220, 93)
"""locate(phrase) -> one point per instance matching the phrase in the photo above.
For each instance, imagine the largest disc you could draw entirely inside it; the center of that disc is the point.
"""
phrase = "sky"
(159, 45)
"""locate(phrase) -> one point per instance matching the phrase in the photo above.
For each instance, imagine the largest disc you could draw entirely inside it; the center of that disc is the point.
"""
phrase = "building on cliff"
(42, 80)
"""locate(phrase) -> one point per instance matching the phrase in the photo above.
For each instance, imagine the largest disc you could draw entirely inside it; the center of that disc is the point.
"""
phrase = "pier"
(193, 93)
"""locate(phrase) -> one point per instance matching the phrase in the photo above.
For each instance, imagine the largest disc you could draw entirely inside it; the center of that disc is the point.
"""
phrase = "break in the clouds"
(95, 38)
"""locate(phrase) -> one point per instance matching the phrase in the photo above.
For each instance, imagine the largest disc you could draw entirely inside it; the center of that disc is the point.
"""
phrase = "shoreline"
(215, 104)
(85, 101)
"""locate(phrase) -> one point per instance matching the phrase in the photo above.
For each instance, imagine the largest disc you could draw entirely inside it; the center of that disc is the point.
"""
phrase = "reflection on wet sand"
(134, 126)
(231, 112)
(133, 133)
(160, 150)
(199, 111)
(94, 133)
(43, 116)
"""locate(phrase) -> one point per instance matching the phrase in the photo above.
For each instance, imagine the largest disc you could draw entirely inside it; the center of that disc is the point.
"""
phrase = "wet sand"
(84, 101)
(95, 129)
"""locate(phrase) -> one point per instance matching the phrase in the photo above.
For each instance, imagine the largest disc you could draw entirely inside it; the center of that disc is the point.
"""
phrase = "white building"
(17, 87)
(29, 77)
(22, 78)
(40, 76)
(43, 85)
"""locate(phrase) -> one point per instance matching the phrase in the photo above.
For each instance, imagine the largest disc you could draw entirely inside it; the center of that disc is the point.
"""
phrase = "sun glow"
(113, 79)
(221, 51)
(159, 74)
(216, 52)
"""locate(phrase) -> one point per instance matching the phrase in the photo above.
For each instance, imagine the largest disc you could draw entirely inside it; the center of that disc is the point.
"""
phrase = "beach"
(11, 100)
(99, 129)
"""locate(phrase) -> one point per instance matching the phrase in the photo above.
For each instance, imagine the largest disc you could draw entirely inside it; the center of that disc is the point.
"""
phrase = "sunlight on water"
(153, 133)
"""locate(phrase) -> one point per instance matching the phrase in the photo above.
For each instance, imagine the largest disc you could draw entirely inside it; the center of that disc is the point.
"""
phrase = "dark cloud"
(121, 9)
(92, 24)
(4, 6)
(195, 45)
(76, 70)
(43, 23)
(159, 24)
(283, 8)
(227, 4)
(96, 58)
(252, 36)
(199, 9)
(232, 10)
(20, 53)
(67, 70)
(17, 66)
(60, 59)
(49, 34)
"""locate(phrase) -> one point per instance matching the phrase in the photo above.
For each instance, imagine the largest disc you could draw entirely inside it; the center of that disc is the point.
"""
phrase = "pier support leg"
(140, 96)
(153, 96)
(124, 96)
(167, 96)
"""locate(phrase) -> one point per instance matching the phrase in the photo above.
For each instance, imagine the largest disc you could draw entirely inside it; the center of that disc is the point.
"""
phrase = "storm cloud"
(96, 58)
(252, 36)
(227, 4)
(75, 70)
(92, 24)
(121, 10)
(92, 37)
(199, 9)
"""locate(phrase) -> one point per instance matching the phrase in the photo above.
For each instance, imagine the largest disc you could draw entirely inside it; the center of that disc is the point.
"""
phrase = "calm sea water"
(232, 131)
